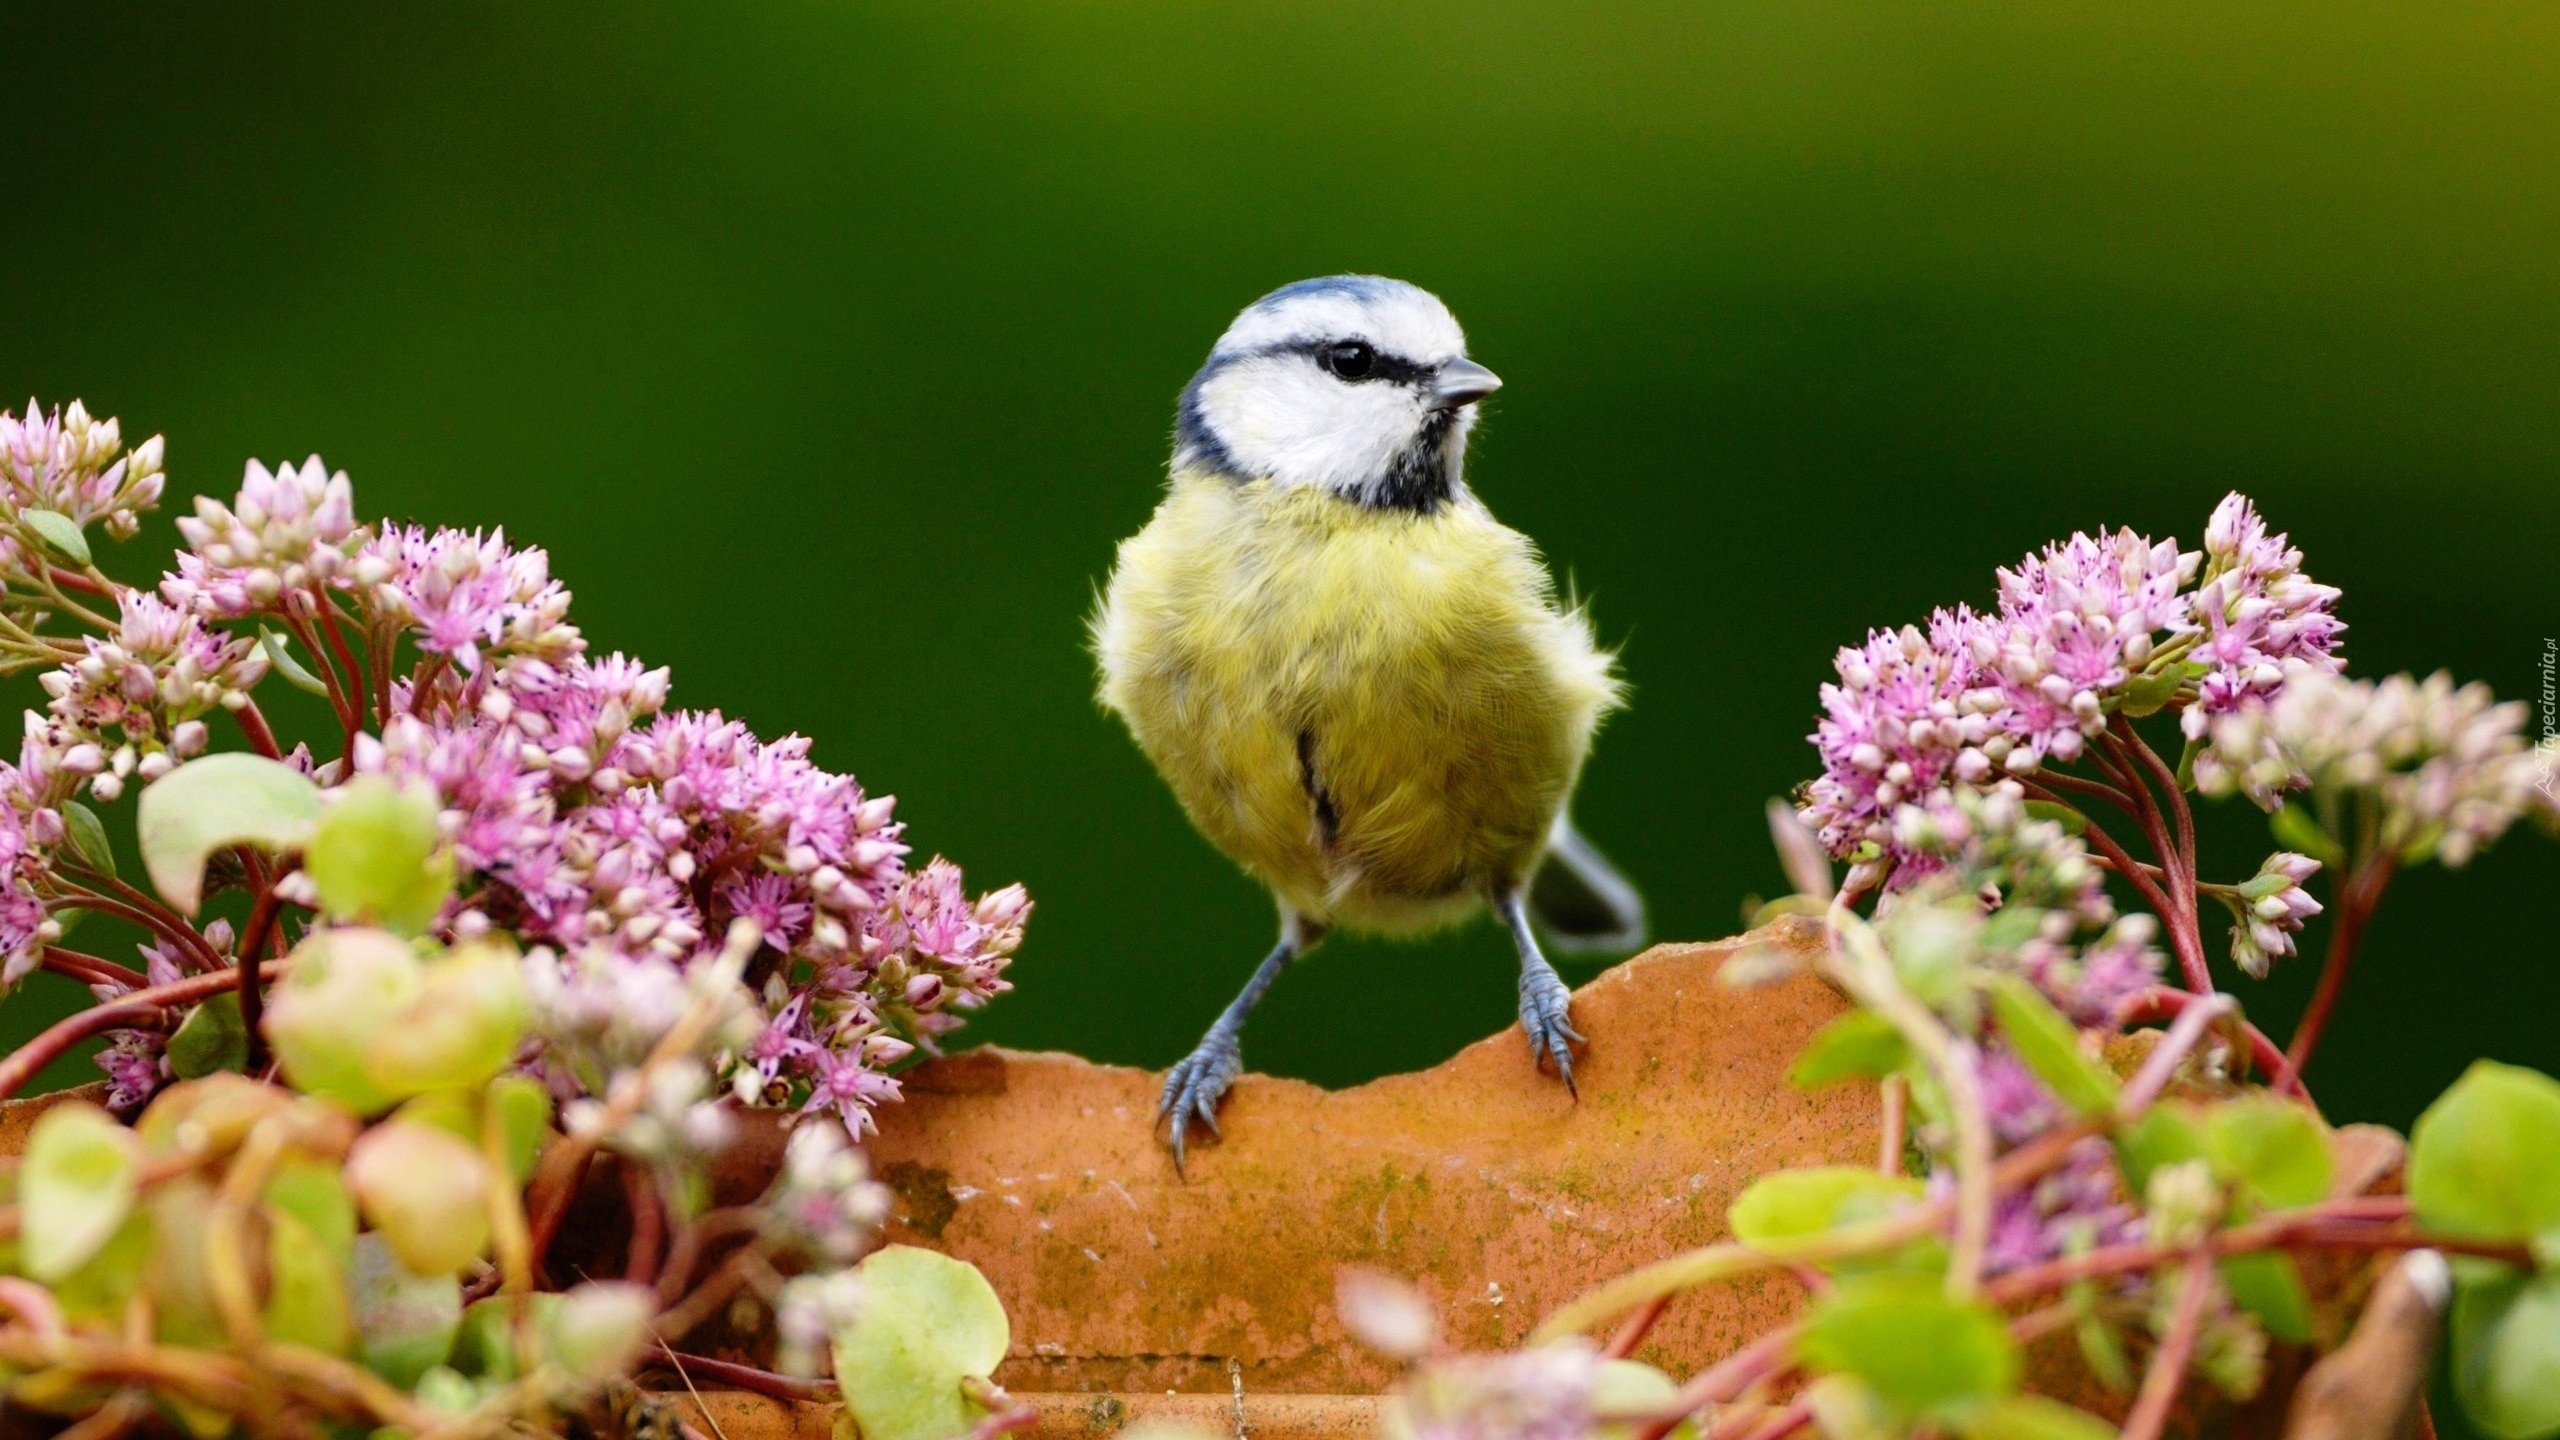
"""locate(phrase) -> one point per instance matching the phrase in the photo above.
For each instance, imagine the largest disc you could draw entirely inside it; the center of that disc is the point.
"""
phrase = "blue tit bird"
(1360, 685)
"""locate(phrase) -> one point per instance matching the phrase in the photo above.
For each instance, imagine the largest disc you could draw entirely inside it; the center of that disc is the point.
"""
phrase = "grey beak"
(1462, 382)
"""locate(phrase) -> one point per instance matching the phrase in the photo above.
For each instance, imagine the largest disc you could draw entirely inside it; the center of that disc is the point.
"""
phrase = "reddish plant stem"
(2168, 1372)
(2186, 936)
(356, 687)
(648, 1223)
(2082, 785)
(2166, 1002)
(746, 1377)
(180, 936)
(1722, 1381)
(2184, 1032)
(327, 670)
(2107, 845)
(2357, 900)
(1632, 1330)
(140, 1006)
(74, 580)
(2179, 811)
(253, 938)
(254, 727)
(90, 969)
(1786, 1422)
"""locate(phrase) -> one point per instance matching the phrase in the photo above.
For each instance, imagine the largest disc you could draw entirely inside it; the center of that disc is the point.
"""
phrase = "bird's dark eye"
(1348, 359)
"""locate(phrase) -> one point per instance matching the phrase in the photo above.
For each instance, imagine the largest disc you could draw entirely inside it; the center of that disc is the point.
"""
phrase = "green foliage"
(2268, 1285)
(425, 1193)
(365, 1020)
(2163, 1135)
(213, 1037)
(2050, 1046)
(307, 1301)
(75, 1187)
(86, 834)
(1924, 1356)
(405, 1323)
(376, 856)
(2484, 1160)
(926, 1322)
(60, 533)
(1858, 1045)
(2272, 1150)
(2506, 1354)
(2033, 1417)
(1777, 1210)
(2296, 829)
(212, 804)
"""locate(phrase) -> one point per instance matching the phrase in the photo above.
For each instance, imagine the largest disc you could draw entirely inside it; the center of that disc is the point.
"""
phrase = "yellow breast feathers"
(1377, 712)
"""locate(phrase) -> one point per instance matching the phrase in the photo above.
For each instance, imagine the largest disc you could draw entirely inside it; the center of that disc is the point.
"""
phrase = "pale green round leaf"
(214, 803)
(425, 1192)
(346, 988)
(212, 1037)
(598, 1328)
(1790, 1205)
(2273, 1149)
(61, 534)
(2033, 1417)
(75, 1186)
(405, 1323)
(462, 1027)
(2484, 1160)
(311, 1192)
(376, 856)
(925, 1322)
(2050, 1046)
(306, 1292)
(1927, 1357)
(2506, 1355)
(1860, 1044)
(2166, 1134)
(2268, 1285)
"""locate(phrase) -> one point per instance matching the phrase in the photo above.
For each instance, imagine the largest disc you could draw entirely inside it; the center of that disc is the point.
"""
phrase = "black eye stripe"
(1395, 369)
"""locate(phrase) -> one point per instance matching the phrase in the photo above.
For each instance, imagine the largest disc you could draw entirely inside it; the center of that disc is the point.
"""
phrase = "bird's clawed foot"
(1193, 1088)
(1546, 1015)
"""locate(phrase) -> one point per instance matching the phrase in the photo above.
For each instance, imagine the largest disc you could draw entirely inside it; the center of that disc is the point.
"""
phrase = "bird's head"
(1353, 384)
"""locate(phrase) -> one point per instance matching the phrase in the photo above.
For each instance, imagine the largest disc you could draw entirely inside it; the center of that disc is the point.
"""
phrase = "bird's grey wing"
(1580, 900)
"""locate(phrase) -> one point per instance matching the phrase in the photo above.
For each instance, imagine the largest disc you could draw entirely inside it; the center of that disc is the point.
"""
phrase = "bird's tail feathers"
(1581, 901)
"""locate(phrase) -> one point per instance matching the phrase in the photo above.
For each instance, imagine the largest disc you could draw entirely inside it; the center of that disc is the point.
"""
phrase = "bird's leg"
(1192, 1088)
(1545, 1004)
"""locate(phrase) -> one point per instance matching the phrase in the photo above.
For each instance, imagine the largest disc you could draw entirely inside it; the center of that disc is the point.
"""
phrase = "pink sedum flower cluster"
(2082, 631)
(585, 817)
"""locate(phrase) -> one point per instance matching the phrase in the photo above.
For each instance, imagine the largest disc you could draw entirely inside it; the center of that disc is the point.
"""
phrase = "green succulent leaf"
(2506, 1354)
(2050, 1046)
(311, 1193)
(306, 1292)
(2271, 1148)
(75, 1187)
(2295, 829)
(86, 834)
(523, 1108)
(2033, 1417)
(213, 1037)
(926, 1322)
(2147, 693)
(2164, 1135)
(1927, 1357)
(425, 1192)
(598, 1328)
(212, 804)
(2484, 1160)
(295, 673)
(376, 856)
(405, 1323)
(2066, 816)
(1790, 1205)
(60, 533)
(2268, 1285)
(1859, 1045)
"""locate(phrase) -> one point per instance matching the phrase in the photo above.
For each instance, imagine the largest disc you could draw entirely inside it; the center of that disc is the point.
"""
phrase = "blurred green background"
(830, 347)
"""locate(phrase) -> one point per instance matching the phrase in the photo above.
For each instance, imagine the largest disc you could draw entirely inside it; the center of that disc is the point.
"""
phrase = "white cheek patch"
(1282, 417)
